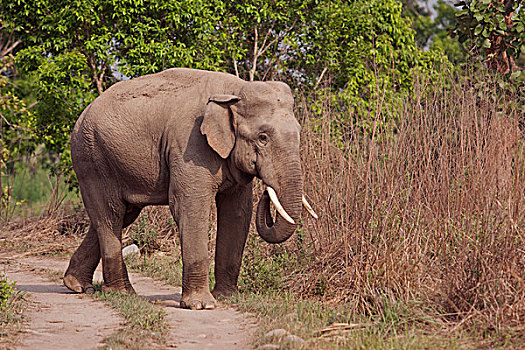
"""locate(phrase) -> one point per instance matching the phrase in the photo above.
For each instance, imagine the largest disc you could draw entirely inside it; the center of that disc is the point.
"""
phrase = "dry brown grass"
(57, 233)
(431, 211)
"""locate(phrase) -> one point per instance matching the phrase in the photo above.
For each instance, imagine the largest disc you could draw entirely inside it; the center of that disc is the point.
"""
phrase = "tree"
(14, 114)
(444, 22)
(364, 49)
(432, 22)
(495, 29)
(76, 49)
(259, 37)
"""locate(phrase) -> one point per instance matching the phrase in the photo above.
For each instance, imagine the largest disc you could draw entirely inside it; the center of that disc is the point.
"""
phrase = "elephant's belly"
(145, 187)
(143, 199)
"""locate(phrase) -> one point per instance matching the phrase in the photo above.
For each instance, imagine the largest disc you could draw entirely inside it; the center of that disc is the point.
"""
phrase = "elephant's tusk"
(278, 206)
(309, 208)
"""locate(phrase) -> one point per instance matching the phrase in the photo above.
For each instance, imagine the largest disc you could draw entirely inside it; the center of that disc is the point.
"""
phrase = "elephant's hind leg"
(79, 274)
(109, 228)
(132, 213)
(106, 212)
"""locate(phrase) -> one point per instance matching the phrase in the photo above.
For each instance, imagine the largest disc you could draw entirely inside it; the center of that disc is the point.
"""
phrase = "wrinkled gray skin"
(184, 137)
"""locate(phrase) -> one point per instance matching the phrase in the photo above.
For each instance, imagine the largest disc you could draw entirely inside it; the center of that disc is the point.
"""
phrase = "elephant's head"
(257, 132)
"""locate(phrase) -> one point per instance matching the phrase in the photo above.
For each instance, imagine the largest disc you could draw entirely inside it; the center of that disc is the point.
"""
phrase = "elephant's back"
(144, 106)
(171, 85)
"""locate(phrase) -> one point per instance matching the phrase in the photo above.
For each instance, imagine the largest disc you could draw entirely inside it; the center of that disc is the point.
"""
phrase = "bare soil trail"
(62, 319)
(58, 318)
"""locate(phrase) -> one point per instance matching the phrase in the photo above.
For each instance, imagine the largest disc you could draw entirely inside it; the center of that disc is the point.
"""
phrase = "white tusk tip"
(309, 208)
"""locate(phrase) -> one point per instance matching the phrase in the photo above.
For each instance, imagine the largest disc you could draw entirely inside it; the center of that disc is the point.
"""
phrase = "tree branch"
(320, 77)
(9, 45)
(267, 34)
(271, 63)
(280, 36)
(255, 55)
(98, 79)
(258, 52)
(235, 67)
(13, 126)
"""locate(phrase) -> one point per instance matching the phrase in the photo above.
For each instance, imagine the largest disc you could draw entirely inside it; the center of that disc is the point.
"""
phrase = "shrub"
(7, 290)
(152, 230)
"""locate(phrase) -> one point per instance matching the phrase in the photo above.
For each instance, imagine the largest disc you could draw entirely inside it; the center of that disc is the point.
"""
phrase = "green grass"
(163, 268)
(12, 304)
(145, 324)
(32, 188)
(309, 319)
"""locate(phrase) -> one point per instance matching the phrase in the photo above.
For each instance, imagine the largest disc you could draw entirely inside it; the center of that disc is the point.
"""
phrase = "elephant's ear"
(217, 124)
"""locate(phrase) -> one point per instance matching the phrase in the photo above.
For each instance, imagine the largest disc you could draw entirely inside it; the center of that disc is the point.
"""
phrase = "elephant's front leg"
(234, 212)
(192, 213)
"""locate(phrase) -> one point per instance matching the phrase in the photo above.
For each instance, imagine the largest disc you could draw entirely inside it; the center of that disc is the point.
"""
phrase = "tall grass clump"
(427, 209)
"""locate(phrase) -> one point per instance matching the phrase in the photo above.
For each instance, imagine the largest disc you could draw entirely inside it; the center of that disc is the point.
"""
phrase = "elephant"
(184, 138)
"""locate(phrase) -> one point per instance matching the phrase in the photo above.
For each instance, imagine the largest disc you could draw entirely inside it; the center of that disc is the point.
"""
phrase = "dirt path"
(58, 318)
(61, 319)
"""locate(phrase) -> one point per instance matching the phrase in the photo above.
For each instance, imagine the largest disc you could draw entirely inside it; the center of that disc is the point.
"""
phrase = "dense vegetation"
(413, 137)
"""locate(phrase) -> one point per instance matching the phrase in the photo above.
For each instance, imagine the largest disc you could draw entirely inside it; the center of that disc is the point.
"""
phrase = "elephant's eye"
(263, 139)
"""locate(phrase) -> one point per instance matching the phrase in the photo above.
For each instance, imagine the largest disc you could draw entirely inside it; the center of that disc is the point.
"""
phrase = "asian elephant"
(183, 138)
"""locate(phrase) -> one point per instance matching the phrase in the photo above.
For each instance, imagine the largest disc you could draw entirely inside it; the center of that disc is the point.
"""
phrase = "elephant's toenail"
(196, 305)
(209, 306)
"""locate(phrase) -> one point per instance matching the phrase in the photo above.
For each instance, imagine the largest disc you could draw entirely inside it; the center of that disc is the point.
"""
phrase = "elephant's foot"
(126, 289)
(220, 293)
(198, 301)
(72, 283)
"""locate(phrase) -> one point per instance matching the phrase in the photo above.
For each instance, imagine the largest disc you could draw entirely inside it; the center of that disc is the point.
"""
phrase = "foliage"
(152, 230)
(357, 42)
(12, 304)
(260, 39)
(75, 50)
(6, 291)
(15, 129)
(495, 29)
(263, 272)
(144, 236)
(432, 30)
(369, 55)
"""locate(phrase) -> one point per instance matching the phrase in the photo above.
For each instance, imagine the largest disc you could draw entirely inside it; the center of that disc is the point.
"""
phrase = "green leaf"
(486, 43)
(515, 75)
(478, 29)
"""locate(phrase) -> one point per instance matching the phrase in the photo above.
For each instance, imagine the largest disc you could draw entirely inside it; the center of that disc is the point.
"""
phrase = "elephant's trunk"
(290, 193)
